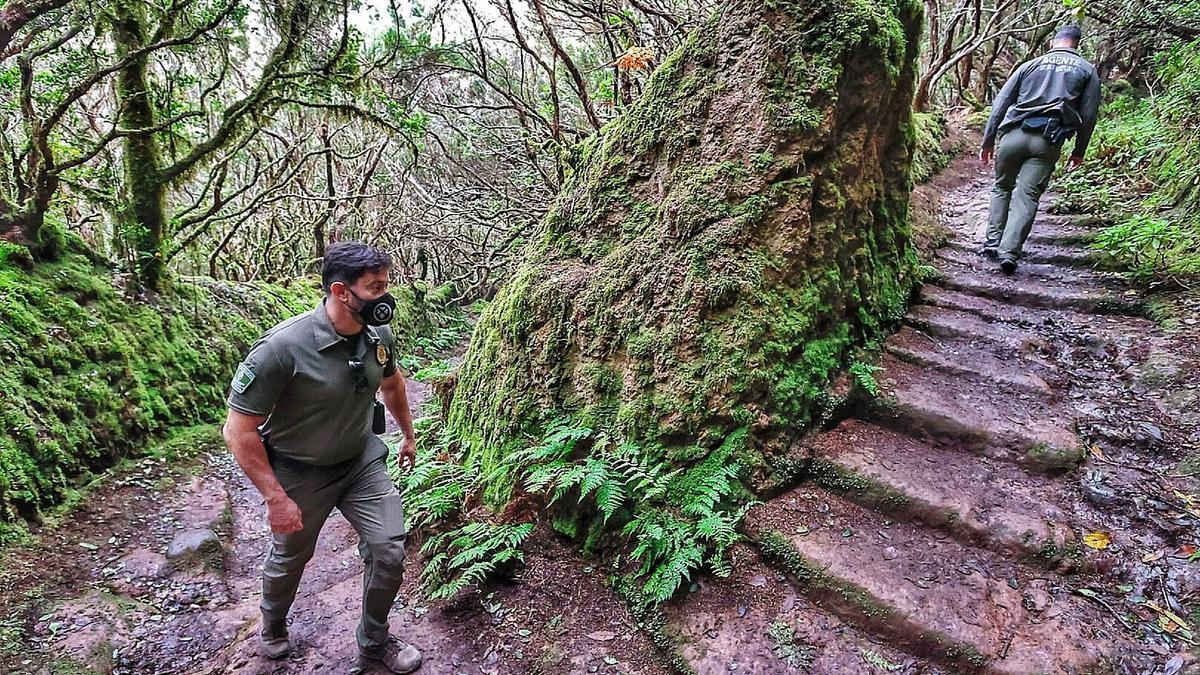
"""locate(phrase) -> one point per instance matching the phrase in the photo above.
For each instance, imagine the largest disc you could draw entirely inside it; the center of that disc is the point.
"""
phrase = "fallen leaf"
(1097, 540)
(1098, 453)
(1185, 551)
(1153, 431)
(1167, 625)
(1169, 615)
(602, 635)
(1151, 557)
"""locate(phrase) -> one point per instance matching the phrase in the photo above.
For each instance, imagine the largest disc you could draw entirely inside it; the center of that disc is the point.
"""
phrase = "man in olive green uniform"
(1045, 102)
(302, 424)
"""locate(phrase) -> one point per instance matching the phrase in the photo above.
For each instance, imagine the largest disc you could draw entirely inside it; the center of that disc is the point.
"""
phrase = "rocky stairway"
(940, 530)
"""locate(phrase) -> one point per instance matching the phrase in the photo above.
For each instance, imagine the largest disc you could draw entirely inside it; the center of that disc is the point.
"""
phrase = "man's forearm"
(251, 455)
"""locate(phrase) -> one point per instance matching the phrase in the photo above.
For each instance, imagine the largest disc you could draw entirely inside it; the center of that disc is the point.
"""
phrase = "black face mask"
(377, 312)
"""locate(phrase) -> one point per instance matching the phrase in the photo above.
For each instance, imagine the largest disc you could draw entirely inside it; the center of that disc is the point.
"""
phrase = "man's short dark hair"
(1069, 33)
(347, 261)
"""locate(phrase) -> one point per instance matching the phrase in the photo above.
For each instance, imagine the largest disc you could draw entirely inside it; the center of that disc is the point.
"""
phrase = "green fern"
(864, 377)
(465, 556)
(677, 520)
(436, 487)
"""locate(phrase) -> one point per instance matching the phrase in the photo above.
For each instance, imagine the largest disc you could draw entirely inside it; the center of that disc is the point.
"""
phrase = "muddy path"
(941, 529)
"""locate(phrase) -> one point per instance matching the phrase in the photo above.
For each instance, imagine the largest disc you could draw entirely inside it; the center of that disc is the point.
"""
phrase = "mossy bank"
(90, 374)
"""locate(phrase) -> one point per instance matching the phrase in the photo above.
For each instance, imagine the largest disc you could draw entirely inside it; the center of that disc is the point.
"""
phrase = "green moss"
(91, 376)
(803, 87)
(653, 623)
(927, 133)
(857, 605)
(1044, 457)
(659, 315)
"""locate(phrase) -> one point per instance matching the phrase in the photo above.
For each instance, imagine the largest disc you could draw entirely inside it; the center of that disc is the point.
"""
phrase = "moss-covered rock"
(89, 374)
(717, 251)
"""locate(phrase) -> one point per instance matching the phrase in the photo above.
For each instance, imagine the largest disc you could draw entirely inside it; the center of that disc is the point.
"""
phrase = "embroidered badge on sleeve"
(243, 378)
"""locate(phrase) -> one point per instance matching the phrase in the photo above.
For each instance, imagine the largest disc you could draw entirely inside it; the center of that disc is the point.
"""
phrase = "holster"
(378, 423)
(1051, 128)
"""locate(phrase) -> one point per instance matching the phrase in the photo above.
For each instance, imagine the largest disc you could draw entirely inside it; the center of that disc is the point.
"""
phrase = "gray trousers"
(1024, 162)
(367, 498)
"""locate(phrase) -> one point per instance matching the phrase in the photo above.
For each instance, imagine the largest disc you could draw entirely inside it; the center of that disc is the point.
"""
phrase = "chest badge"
(381, 354)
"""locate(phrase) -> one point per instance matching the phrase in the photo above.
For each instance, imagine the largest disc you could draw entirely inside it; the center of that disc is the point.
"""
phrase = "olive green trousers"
(1024, 162)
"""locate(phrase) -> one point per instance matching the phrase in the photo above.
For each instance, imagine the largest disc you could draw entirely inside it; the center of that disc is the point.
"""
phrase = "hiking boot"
(1008, 265)
(273, 641)
(989, 252)
(396, 655)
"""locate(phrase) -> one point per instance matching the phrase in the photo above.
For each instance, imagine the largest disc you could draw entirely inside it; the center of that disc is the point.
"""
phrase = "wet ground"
(1012, 502)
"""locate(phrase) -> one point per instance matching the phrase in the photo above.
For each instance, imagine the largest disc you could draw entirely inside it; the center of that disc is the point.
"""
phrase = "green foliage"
(435, 494)
(788, 648)
(929, 131)
(677, 520)
(1143, 173)
(864, 377)
(440, 329)
(1152, 248)
(466, 555)
(437, 487)
(90, 376)
(877, 660)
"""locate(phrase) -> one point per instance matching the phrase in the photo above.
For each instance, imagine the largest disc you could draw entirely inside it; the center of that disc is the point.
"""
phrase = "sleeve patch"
(243, 378)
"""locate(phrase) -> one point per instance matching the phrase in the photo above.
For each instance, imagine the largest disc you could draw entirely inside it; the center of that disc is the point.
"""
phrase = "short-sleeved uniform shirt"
(299, 375)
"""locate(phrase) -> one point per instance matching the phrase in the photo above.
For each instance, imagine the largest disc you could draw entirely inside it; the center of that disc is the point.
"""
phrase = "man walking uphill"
(302, 424)
(1045, 102)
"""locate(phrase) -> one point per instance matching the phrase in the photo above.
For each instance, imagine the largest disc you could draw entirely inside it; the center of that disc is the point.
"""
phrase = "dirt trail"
(937, 532)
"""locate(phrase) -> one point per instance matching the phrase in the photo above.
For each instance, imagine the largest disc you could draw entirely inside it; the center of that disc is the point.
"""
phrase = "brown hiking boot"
(273, 641)
(396, 655)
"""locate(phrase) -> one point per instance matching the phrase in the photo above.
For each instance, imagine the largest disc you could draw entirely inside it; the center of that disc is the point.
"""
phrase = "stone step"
(1033, 266)
(1058, 230)
(1033, 319)
(946, 323)
(1039, 253)
(754, 621)
(976, 358)
(970, 609)
(1027, 291)
(1035, 432)
(980, 502)
(1062, 232)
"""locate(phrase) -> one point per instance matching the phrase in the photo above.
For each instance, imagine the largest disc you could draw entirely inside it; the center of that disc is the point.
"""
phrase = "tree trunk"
(146, 217)
(26, 225)
(985, 73)
(717, 251)
(321, 223)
